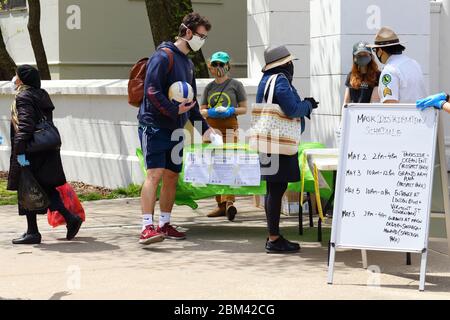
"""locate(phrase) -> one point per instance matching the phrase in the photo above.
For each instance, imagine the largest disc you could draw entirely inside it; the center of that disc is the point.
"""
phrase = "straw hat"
(386, 37)
(276, 56)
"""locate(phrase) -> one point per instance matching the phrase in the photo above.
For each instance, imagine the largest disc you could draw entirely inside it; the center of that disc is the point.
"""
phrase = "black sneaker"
(26, 238)
(73, 226)
(281, 245)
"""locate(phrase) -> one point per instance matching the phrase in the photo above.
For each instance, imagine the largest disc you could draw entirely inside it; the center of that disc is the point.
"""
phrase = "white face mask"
(196, 43)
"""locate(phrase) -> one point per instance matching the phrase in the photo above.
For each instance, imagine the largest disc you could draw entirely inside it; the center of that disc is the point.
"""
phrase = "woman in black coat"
(46, 166)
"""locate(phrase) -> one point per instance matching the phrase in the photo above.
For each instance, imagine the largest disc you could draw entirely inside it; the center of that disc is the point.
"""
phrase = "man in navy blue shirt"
(161, 122)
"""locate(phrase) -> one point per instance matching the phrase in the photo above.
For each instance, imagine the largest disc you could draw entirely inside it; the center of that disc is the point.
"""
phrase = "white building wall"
(279, 22)
(336, 26)
(435, 36)
(441, 44)
(98, 129)
(17, 39)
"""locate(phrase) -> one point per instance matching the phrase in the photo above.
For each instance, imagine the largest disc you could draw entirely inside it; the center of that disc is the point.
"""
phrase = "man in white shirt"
(401, 80)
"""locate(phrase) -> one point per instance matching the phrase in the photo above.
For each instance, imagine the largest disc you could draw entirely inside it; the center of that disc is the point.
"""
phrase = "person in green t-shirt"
(222, 101)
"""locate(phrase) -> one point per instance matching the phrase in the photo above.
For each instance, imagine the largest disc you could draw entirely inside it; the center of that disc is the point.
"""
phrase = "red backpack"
(137, 79)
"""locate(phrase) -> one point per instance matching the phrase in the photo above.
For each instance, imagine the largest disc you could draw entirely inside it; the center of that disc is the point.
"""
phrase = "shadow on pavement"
(59, 295)
(79, 245)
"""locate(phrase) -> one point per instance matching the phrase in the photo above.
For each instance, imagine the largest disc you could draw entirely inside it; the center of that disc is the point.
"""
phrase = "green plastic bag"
(184, 195)
(187, 193)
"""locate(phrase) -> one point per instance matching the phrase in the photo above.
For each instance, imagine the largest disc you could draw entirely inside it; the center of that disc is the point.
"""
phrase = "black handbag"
(46, 136)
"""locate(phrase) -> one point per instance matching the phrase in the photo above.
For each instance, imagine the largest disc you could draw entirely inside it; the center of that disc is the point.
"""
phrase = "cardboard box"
(290, 203)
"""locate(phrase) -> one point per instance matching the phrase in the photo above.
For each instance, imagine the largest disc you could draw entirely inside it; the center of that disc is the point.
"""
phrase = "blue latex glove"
(230, 111)
(436, 101)
(1, 140)
(22, 160)
(212, 113)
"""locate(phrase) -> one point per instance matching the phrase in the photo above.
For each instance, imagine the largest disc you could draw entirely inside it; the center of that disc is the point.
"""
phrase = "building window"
(7, 5)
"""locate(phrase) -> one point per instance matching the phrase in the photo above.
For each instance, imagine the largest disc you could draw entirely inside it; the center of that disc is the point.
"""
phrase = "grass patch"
(132, 191)
(84, 194)
(7, 197)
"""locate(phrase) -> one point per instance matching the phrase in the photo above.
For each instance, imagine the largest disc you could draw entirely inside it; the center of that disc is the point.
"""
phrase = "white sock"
(147, 220)
(164, 218)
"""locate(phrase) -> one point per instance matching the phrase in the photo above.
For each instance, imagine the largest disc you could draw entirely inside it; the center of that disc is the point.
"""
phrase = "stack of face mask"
(216, 140)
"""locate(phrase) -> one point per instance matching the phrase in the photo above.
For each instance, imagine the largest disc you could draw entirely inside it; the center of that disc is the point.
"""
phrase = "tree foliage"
(165, 17)
(7, 64)
(34, 30)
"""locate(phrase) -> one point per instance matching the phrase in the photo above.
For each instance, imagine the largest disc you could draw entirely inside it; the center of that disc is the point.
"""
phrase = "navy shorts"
(159, 150)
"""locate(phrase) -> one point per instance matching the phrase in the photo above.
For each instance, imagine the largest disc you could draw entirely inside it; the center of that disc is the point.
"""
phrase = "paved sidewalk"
(219, 260)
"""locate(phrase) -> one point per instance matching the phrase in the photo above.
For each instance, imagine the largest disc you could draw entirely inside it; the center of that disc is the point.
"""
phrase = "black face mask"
(379, 56)
(290, 69)
(286, 69)
(362, 61)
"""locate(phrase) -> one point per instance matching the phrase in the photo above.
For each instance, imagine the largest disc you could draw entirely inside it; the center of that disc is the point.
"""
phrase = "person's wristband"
(448, 98)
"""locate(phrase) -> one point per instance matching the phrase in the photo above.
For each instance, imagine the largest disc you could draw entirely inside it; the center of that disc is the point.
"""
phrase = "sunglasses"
(216, 64)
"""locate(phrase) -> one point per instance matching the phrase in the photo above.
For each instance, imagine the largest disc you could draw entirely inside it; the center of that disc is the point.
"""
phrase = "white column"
(435, 44)
(279, 22)
(442, 45)
(335, 26)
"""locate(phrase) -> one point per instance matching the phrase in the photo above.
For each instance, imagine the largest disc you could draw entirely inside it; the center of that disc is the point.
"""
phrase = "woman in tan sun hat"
(401, 80)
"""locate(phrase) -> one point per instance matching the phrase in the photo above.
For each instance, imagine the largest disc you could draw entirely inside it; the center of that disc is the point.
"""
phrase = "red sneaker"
(150, 235)
(171, 233)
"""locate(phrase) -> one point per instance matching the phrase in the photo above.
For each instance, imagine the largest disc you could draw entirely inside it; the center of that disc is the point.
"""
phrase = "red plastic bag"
(71, 202)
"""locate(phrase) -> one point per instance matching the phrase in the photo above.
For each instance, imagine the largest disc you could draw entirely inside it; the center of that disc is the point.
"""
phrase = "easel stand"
(423, 265)
(430, 140)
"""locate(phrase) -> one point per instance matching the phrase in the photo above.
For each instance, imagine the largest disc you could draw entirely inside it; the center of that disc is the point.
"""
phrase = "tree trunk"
(34, 30)
(7, 64)
(165, 18)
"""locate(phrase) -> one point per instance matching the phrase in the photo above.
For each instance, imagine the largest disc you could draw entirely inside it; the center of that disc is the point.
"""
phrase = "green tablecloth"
(187, 193)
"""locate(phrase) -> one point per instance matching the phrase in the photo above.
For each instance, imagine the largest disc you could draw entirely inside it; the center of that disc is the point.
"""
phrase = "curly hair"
(371, 77)
(192, 21)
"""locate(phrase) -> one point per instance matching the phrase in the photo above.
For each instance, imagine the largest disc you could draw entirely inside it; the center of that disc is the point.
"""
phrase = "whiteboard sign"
(385, 178)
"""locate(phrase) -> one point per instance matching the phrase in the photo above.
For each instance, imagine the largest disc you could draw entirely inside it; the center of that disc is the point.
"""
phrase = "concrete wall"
(444, 46)
(111, 37)
(280, 22)
(114, 34)
(17, 39)
(325, 60)
(98, 129)
(229, 31)
(442, 63)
